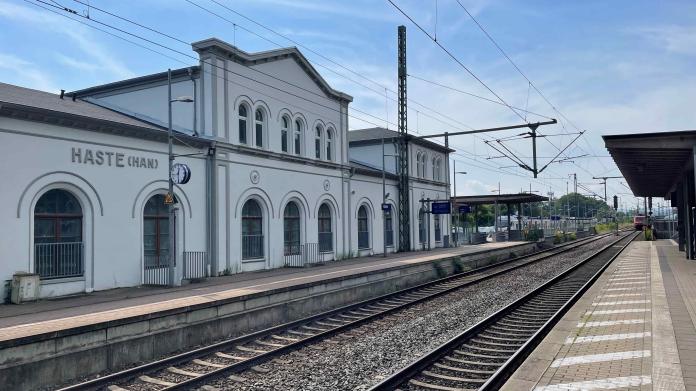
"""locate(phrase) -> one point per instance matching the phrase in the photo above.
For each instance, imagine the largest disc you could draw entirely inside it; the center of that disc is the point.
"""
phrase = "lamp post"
(170, 196)
(456, 240)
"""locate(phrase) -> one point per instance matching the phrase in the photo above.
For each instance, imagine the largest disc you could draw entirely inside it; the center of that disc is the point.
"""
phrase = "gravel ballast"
(363, 356)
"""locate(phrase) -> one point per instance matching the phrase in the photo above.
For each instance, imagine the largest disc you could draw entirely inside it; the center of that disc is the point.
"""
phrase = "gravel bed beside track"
(379, 348)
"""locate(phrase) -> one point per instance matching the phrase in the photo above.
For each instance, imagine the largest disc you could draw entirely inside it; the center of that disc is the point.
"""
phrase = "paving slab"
(634, 329)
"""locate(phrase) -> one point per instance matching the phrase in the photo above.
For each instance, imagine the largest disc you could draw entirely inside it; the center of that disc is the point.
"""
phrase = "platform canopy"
(487, 199)
(652, 163)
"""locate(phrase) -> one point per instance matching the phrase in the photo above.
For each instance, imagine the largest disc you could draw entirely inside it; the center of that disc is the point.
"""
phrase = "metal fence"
(252, 246)
(304, 254)
(59, 260)
(156, 270)
(195, 264)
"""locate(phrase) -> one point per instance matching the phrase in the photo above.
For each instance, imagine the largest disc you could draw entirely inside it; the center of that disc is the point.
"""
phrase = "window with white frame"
(252, 230)
(58, 235)
(325, 228)
(389, 228)
(318, 131)
(258, 125)
(363, 228)
(419, 165)
(435, 172)
(243, 114)
(297, 138)
(329, 144)
(284, 125)
(291, 229)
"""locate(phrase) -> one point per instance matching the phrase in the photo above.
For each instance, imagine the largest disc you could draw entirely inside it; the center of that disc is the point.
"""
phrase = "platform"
(89, 334)
(634, 329)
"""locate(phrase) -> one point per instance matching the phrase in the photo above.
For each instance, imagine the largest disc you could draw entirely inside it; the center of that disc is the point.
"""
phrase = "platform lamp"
(170, 196)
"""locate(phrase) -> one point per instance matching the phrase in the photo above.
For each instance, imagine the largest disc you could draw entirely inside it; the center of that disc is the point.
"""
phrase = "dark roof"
(652, 163)
(375, 135)
(368, 169)
(487, 199)
(136, 81)
(34, 105)
(26, 97)
(231, 51)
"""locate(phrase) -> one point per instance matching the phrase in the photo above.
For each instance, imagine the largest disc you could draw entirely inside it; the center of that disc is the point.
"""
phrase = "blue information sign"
(386, 207)
(440, 208)
(464, 209)
(555, 218)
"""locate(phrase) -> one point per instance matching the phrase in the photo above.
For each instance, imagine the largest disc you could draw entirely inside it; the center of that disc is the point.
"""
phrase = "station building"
(277, 177)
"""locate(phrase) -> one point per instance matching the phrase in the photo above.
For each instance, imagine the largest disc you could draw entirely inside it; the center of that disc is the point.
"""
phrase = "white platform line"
(644, 277)
(620, 289)
(590, 358)
(627, 283)
(607, 337)
(602, 303)
(621, 295)
(605, 323)
(621, 311)
(611, 383)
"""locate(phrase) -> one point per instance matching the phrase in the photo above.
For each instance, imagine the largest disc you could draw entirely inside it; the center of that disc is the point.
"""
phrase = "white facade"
(108, 149)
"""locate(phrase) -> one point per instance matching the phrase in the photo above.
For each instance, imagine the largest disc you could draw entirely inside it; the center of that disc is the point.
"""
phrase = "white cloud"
(27, 73)
(676, 39)
(81, 37)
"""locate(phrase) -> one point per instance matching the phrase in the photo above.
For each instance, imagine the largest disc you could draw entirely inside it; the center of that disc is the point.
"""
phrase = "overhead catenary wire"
(164, 46)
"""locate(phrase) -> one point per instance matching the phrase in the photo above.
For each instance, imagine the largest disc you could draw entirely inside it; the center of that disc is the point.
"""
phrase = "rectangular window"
(363, 234)
(438, 231)
(242, 131)
(298, 148)
(259, 135)
(284, 141)
(317, 148)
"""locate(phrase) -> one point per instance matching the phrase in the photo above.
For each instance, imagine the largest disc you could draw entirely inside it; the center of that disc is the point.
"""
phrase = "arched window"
(424, 165)
(419, 165)
(435, 171)
(259, 122)
(329, 144)
(156, 232)
(317, 141)
(285, 125)
(252, 230)
(325, 229)
(291, 229)
(389, 227)
(243, 119)
(363, 228)
(438, 229)
(297, 137)
(421, 226)
(58, 235)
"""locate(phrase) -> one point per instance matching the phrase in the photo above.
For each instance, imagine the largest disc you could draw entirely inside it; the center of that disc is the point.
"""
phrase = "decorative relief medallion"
(327, 185)
(255, 177)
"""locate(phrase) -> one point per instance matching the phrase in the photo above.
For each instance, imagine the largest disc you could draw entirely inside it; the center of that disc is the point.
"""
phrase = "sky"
(604, 67)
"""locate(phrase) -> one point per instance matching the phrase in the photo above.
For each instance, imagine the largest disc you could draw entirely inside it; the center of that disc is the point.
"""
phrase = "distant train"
(638, 222)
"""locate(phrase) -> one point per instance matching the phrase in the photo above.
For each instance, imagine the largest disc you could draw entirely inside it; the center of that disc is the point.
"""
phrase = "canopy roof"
(652, 163)
(487, 199)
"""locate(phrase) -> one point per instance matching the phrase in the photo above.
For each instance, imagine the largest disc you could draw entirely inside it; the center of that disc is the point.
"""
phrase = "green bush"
(558, 237)
(533, 235)
(570, 236)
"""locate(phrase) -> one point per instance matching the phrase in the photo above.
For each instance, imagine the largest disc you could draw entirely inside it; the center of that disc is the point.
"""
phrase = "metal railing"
(59, 260)
(156, 271)
(304, 254)
(252, 246)
(195, 264)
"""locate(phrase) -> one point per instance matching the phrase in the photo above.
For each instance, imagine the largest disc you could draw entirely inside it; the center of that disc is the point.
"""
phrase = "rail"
(59, 260)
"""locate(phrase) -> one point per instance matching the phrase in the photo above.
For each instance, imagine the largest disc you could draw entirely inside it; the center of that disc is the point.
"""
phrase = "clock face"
(180, 173)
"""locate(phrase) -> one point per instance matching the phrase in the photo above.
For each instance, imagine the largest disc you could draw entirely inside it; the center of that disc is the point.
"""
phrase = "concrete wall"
(32, 362)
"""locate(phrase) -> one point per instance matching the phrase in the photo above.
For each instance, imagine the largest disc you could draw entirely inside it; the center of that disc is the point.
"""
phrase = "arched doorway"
(58, 226)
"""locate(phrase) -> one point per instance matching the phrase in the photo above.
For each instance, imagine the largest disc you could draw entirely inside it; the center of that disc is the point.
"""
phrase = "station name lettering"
(116, 159)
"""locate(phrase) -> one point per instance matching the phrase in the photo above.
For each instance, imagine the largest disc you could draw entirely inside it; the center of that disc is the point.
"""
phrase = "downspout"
(211, 221)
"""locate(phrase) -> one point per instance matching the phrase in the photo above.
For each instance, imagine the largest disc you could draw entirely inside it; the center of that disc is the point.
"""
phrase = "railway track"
(485, 355)
(191, 369)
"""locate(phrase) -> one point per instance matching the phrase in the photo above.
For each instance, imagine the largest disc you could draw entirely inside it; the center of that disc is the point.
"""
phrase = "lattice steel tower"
(404, 204)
